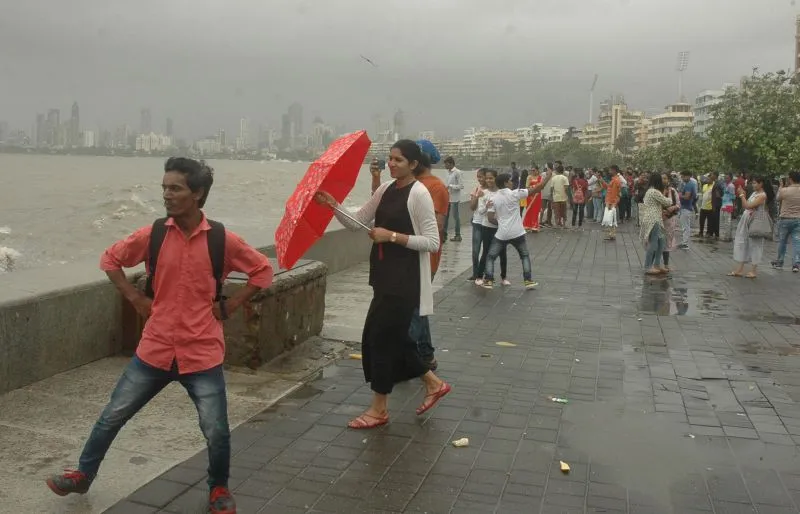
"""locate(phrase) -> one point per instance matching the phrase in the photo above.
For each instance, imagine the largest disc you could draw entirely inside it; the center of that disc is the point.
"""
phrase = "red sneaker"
(70, 482)
(221, 502)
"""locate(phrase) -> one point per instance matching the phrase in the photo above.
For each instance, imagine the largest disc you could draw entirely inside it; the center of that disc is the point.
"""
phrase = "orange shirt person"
(182, 339)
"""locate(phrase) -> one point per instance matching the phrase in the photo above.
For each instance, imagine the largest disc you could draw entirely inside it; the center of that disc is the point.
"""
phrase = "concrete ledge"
(43, 335)
(58, 318)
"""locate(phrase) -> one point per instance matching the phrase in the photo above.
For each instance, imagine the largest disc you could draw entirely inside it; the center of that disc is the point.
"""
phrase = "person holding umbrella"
(405, 233)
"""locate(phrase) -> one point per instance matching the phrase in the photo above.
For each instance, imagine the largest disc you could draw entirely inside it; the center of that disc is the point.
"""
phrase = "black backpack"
(216, 251)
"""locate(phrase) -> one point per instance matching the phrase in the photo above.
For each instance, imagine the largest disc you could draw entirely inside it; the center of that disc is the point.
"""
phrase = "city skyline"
(510, 62)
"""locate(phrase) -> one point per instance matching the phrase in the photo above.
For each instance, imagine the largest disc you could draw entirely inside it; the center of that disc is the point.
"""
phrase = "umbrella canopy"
(305, 221)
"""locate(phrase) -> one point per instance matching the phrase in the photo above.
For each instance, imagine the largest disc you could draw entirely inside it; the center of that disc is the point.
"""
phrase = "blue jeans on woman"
(477, 238)
(599, 208)
(655, 248)
(139, 384)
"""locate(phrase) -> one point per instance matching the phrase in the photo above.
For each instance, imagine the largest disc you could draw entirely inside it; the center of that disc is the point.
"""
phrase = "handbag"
(759, 224)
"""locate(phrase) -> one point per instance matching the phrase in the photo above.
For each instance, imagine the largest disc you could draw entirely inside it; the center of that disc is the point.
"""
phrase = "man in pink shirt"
(182, 338)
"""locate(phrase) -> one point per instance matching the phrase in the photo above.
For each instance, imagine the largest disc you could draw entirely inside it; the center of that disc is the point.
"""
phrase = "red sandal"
(432, 399)
(367, 421)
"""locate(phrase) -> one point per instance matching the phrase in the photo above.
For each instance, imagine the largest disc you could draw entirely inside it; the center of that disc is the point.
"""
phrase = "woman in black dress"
(404, 235)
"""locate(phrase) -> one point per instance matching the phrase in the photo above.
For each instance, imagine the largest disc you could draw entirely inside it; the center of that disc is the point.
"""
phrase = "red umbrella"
(305, 221)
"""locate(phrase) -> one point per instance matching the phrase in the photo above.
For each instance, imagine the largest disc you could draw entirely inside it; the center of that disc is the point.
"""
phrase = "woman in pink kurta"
(531, 219)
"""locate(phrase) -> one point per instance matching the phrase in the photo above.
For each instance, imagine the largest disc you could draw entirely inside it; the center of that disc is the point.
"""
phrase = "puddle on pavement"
(651, 452)
(666, 298)
(754, 348)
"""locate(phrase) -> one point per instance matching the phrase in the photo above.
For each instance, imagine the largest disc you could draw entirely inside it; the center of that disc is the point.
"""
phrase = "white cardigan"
(424, 240)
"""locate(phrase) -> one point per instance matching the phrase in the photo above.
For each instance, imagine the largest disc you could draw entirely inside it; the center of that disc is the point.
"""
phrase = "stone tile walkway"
(683, 397)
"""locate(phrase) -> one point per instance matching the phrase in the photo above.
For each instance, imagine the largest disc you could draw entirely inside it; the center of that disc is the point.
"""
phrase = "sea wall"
(58, 318)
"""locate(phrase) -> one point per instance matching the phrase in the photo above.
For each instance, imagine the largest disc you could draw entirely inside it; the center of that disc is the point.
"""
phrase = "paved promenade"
(682, 397)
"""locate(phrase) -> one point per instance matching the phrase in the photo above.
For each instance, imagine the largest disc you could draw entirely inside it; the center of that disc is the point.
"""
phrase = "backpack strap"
(216, 250)
(157, 234)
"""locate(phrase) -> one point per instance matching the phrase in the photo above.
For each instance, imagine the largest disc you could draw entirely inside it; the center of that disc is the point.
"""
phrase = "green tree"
(688, 151)
(625, 142)
(757, 126)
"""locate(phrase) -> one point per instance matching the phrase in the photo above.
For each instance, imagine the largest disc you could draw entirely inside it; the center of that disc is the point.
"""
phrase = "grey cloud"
(448, 64)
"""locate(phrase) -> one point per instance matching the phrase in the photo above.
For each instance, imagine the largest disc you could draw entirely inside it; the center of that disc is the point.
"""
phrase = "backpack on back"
(216, 251)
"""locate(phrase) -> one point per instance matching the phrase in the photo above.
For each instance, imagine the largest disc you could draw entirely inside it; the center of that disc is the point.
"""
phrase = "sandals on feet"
(734, 274)
(750, 275)
(432, 399)
(367, 421)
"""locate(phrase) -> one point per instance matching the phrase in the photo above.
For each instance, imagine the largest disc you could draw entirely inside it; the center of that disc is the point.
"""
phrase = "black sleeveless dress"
(389, 355)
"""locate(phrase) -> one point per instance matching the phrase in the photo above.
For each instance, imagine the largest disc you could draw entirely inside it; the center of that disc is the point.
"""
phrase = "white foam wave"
(8, 259)
(132, 206)
(5, 231)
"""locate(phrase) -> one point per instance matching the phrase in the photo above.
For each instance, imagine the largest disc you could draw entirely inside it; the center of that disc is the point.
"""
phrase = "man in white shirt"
(454, 183)
(590, 204)
(560, 185)
(504, 210)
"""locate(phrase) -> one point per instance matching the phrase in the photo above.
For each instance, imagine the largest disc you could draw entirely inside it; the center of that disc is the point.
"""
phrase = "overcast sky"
(448, 64)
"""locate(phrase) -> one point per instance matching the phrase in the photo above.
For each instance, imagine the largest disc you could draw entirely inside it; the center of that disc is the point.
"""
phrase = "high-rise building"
(87, 139)
(222, 139)
(676, 118)
(146, 122)
(41, 130)
(705, 100)
(295, 119)
(399, 124)
(169, 127)
(74, 135)
(53, 126)
(614, 120)
(243, 141)
(286, 132)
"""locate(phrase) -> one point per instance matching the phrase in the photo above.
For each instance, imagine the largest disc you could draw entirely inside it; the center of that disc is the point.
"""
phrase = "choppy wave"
(5, 231)
(8, 259)
(118, 209)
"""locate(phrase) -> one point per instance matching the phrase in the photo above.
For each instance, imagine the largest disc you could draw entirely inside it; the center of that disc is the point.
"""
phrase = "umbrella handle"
(350, 217)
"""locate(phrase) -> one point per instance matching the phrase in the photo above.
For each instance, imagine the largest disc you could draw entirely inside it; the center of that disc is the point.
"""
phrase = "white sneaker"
(478, 281)
(506, 282)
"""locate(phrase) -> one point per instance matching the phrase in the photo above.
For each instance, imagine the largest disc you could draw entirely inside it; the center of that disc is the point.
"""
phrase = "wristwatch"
(393, 239)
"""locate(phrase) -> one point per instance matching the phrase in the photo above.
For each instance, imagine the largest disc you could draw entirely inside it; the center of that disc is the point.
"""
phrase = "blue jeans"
(138, 385)
(477, 236)
(655, 248)
(599, 208)
(789, 228)
(498, 246)
(452, 212)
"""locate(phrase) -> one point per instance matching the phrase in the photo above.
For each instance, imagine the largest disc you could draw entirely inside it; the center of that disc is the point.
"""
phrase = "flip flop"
(750, 275)
(428, 404)
(363, 422)
(734, 274)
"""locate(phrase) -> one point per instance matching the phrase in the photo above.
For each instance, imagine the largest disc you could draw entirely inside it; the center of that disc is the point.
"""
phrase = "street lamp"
(683, 63)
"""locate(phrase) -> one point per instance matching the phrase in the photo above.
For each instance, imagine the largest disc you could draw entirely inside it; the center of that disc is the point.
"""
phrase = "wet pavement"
(682, 396)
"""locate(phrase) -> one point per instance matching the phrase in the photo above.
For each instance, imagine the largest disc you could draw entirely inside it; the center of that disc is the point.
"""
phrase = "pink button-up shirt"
(181, 326)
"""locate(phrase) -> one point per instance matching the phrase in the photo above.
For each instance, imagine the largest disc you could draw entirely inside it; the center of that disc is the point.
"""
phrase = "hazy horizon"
(451, 65)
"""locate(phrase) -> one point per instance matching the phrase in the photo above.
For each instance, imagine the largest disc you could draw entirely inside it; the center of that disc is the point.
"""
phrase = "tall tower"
(169, 127)
(797, 47)
(146, 122)
(75, 126)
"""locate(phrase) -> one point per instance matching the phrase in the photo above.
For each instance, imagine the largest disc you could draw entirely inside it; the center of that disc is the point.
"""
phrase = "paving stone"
(643, 362)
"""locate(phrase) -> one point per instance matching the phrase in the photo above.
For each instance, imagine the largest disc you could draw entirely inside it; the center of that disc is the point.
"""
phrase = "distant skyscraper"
(41, 130)
(399, 124)
(296, 119)
(146, 123)
(222, 138)
(286, 132)
(169, 127)
(74, 135)
(53, 126)
(243, 141)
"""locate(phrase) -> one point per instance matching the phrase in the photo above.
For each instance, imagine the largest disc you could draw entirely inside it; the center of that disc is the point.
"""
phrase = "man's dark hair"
(614, 167)
(199, 175)
(795, 176)
(656, 182)
(502, 180)
(686, 173)
(559, 163)
(449, 160)
(559, 169)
